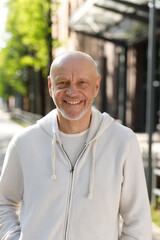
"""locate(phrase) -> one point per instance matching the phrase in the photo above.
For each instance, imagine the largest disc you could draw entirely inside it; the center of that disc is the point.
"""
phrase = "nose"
(72, 90)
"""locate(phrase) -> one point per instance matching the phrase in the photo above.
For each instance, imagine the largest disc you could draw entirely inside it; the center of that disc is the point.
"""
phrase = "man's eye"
(62, 84)
(83, 83)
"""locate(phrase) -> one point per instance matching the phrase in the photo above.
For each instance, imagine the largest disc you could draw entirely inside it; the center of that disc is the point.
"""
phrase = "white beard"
(74, 118)
(70, 118)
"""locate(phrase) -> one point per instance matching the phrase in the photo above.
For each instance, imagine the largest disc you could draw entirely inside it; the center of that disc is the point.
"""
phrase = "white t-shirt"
(73, 144)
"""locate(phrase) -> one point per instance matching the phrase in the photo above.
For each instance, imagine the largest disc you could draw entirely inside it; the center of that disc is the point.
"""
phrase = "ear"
(50, 86)
(97, 86)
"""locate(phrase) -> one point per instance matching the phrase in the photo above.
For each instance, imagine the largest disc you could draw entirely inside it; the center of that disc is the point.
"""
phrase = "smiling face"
(74, 85)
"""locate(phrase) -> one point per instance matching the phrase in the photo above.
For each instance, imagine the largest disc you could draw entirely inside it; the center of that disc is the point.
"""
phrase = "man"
(75, 171)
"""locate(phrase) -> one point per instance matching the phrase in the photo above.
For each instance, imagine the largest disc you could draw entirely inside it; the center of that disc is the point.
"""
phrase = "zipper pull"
(71, 171)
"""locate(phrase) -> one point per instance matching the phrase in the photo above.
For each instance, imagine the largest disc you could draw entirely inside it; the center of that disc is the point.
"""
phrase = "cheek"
(95, 91)
(92, 93)
(58, 95)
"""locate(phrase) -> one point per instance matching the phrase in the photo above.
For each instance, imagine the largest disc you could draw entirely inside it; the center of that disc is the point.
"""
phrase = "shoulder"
(120, 128)
(26, 133)
(121, 132)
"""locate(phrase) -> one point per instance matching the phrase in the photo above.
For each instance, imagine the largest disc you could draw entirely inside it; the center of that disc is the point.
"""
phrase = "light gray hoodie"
(58, 202)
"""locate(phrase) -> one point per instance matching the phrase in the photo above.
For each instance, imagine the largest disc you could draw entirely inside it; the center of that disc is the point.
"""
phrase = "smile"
(73, 102)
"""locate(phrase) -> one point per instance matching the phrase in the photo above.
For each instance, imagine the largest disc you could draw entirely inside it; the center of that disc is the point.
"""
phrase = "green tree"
(29, 47)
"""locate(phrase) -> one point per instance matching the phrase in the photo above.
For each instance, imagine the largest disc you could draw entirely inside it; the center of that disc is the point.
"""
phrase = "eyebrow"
(60, 77)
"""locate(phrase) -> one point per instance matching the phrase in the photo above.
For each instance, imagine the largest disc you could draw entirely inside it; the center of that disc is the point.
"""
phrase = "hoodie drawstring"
(92, 173)
(54, 158)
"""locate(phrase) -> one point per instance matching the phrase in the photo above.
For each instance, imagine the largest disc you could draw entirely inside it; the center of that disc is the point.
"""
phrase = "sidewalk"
(8, 128)
(156, 232)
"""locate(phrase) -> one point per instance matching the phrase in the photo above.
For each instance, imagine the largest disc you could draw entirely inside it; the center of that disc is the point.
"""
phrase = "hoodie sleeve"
(134, 205)
(11, 192)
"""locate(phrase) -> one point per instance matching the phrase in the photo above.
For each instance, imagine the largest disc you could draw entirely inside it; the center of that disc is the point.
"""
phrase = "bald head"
(73, 58)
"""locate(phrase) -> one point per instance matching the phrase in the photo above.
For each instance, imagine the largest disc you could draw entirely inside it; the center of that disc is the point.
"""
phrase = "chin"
(73, 118)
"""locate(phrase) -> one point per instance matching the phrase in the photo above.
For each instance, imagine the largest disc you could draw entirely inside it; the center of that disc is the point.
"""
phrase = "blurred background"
(124, 39)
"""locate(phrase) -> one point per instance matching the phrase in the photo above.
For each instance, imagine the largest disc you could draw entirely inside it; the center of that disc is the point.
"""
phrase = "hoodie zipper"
(69, 194)
(69, 203)
(72, 170)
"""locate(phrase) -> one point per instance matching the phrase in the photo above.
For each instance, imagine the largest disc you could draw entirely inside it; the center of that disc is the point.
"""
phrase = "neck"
(73, 126)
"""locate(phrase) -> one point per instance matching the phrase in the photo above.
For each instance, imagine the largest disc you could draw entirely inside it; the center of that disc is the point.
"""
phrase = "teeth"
(72, 102)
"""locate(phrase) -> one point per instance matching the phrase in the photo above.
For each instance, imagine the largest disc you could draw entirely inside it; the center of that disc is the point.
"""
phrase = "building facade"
(122, 64)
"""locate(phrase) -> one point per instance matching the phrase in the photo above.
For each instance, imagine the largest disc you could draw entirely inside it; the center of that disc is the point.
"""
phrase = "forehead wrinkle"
(69, 62)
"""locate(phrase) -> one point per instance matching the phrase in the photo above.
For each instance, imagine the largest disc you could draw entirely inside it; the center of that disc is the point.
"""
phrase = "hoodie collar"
(49, 124)
(100, 122)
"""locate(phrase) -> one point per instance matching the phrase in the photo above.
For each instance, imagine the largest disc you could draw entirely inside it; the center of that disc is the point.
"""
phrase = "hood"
(100, 122)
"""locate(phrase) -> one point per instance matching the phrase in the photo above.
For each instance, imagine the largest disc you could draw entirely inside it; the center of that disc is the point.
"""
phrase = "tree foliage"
(29, 45)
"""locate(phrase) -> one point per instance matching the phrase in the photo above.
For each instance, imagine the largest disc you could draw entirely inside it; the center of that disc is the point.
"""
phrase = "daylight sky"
(3, 13)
